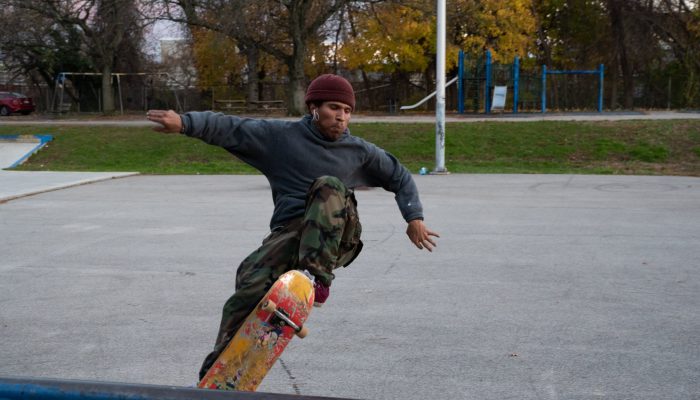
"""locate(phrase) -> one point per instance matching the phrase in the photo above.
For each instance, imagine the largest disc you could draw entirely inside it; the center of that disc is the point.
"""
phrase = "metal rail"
(428, 97)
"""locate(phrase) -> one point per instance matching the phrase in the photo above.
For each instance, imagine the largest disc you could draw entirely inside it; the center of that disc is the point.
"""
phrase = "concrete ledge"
(17, 184)
(13, 388)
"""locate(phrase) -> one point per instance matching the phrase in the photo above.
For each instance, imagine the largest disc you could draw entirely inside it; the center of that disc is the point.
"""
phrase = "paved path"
(132, 120)
(542, 287)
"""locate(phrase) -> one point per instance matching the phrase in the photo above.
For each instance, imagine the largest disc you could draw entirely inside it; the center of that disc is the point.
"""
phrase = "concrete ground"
(542, 287)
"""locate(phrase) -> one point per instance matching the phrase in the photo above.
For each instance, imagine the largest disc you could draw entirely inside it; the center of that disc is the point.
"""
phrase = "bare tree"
(643, 43)
(103, 29)
(617, 9)
(677, 25)
(32, 47)
(281, 28)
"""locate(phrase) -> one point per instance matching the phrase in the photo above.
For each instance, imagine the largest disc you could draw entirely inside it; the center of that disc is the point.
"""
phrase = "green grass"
(624, 147)
(107, 148)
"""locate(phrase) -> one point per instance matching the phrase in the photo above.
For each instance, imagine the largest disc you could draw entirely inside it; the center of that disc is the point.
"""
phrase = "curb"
(54, 187)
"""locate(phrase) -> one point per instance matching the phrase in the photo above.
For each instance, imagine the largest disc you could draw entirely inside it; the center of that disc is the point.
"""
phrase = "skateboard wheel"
(269, 306)
(303, 332)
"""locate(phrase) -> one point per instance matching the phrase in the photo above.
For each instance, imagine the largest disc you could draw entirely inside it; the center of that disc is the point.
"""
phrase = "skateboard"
(263, 336)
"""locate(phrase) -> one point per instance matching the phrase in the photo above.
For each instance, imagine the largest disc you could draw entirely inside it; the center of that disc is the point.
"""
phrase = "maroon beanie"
(330, 87)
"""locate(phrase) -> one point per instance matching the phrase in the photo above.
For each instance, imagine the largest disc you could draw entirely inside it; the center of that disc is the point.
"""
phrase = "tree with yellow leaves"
(396, 38)
(506, 27)
(216, 58)
(400, 36)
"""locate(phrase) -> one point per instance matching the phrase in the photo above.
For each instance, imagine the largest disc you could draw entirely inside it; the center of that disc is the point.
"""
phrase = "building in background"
(177, 61)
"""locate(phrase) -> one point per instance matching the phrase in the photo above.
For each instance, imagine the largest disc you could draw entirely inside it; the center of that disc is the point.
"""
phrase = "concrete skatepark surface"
(542, 287)
(10, 153)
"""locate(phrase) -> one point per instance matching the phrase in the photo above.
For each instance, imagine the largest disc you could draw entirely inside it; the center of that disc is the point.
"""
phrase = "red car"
(11, 102)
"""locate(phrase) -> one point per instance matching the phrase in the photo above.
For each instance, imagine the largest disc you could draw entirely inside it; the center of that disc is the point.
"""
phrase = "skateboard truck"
(271, 307)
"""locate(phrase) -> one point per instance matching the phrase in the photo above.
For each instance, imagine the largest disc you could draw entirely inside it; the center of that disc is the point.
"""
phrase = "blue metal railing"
(601, 77)
(54, 389)
(515, 76)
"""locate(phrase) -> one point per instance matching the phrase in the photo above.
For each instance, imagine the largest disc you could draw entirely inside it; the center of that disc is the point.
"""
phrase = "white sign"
(499, 98)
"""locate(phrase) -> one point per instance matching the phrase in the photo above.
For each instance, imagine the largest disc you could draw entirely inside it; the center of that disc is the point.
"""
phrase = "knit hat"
(330, 87)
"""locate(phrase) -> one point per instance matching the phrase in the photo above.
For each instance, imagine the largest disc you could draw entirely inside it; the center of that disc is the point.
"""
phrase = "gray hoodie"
(292, 154)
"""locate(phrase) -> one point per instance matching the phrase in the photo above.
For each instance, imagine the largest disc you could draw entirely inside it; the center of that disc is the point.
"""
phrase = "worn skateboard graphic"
(263, 336)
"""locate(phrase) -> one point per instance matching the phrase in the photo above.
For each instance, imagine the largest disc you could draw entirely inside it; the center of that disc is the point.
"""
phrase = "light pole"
(440, 90)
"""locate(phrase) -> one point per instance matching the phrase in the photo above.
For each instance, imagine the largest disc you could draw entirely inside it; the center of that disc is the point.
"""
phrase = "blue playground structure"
(483, 77)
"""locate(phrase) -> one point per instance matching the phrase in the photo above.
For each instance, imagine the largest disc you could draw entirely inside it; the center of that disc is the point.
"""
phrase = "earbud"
(316, 117)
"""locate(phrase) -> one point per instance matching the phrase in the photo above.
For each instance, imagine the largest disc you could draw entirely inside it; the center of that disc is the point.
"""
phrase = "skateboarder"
(313, 165)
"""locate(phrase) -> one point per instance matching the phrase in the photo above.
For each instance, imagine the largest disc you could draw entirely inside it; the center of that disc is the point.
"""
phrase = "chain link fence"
(375, 93)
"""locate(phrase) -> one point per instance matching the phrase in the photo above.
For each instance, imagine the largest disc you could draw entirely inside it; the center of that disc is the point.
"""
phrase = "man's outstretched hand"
(420, 235)
(169, 120)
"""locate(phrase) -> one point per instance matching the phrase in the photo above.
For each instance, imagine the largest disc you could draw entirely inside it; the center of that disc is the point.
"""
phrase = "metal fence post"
(544, 88)
(516, 83)
(601, 77)
(487, 89)
(460, 83)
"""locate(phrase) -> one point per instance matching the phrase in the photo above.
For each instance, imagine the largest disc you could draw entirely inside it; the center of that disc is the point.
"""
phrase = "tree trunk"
(297, 82)
(620, 36)
(107, 94)
(296, 88)
(295, 63)
(368, 90)
(252, 56)
(614, 73)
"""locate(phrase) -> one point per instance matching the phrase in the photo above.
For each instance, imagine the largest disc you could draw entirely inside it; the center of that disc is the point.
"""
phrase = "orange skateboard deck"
(263, 336)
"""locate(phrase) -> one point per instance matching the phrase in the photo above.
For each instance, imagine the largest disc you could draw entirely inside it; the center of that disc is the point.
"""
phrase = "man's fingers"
(426, 243)
(421, 236)
(168, 120)
(431, 233)
(158, 116)
(155, 113)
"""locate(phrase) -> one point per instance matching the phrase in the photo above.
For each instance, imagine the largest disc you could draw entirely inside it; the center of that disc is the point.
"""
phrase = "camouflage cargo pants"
(326, 237)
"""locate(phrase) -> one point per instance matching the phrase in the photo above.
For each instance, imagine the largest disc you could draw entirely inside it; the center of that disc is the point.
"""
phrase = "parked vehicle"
(11, 102)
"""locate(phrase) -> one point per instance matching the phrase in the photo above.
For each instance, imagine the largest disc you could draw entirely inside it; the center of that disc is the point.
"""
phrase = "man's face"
(333, 118)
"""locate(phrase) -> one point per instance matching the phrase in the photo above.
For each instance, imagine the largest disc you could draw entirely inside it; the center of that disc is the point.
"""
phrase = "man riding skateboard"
(313, 165)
